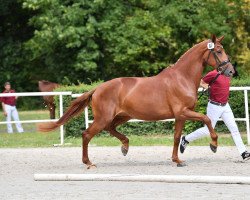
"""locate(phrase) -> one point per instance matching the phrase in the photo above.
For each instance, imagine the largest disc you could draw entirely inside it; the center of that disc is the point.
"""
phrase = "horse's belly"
(150, 111)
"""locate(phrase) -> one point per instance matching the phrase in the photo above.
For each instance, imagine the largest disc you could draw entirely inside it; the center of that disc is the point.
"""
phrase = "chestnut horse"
(170, 94)
(46, 86)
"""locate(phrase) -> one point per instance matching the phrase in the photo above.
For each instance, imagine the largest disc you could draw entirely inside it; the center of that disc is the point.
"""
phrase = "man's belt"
(9, 104)
(217, 103)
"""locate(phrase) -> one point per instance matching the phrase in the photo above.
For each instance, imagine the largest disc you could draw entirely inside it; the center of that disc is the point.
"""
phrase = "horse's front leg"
(191, 115)
(177, 136)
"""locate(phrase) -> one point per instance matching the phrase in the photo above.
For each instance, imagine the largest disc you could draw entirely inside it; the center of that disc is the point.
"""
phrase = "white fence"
(87, 121)
(32, 94)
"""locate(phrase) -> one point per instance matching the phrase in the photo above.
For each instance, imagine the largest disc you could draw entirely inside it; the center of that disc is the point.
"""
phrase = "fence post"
(247, 116)
(86, 117)
(61, 114)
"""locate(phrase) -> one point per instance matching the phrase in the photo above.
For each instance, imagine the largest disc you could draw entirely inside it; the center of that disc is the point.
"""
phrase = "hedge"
(75, 126)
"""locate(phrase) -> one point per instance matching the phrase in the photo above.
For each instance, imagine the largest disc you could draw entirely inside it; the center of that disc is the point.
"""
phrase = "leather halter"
(218, 62)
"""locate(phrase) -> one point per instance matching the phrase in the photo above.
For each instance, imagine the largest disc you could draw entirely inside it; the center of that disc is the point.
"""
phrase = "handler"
(9, 109)
(217, 107)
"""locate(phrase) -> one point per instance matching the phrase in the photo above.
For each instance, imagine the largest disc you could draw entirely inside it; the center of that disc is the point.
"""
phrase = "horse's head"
(216, 57)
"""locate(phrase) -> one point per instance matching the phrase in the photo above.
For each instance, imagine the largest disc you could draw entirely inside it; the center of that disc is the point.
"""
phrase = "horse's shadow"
(134, 163)
(167, 163)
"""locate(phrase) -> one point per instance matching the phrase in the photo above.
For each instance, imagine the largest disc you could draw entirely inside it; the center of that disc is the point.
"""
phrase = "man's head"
(7, 86)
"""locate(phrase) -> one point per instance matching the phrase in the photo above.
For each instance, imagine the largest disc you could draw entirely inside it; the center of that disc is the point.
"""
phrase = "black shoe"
(183, 144)
(245, 155)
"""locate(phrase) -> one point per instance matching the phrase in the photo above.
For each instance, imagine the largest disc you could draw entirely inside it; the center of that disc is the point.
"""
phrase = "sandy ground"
(17, 167)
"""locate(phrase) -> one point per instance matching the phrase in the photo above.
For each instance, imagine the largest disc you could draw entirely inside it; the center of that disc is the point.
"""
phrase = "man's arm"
(203, 84)
(4, 111)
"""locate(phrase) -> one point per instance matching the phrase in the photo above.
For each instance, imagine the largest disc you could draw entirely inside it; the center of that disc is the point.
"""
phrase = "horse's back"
(46, 86)
(112, 90)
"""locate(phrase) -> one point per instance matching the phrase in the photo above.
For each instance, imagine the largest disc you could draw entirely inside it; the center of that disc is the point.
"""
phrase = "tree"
(87, 40)
(14, 30)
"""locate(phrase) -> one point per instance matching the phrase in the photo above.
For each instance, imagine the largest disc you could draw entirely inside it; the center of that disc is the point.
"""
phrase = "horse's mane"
(187, 52)
(190, 50)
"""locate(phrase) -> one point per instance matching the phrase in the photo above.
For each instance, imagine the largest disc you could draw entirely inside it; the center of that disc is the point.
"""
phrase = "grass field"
(26, 115)
(32, 138)
(47, 140)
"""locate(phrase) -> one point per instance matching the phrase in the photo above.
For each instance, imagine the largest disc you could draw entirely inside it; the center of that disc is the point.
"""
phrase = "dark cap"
(6, 83)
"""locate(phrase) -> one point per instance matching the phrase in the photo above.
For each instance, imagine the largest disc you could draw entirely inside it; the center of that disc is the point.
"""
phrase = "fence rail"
(33, 94)
(87, 120)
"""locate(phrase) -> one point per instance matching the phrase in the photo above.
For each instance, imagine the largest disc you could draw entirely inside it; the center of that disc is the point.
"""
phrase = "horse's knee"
(177, 138)
(85, 137)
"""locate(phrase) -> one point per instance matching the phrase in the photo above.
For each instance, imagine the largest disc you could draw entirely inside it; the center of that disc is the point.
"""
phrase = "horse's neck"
(190, 65)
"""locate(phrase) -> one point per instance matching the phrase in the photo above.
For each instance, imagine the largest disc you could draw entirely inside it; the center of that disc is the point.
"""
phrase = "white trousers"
(12, 112)
(214, 112)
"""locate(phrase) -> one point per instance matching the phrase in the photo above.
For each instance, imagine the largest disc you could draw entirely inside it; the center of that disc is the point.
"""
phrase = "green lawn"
(47, 140)
(32, 138)
(26, 115)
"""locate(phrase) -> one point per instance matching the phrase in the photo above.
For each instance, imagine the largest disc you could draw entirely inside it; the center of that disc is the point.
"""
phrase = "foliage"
(102, 39)
(69, 41)
(14, 31)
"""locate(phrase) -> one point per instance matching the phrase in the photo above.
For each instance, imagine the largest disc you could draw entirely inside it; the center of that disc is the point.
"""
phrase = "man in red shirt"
(9, 109)
(217, 107)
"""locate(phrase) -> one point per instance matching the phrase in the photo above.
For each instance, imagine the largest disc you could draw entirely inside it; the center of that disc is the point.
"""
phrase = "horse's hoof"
(183, 164)
(124, 151)
(92, 166)
(213, 148)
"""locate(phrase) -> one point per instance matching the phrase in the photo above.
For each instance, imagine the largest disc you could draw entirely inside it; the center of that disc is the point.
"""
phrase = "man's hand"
(203, 84)
(5, 113)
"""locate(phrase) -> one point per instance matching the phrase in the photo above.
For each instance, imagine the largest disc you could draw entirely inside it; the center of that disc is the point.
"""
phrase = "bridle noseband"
(219, 64)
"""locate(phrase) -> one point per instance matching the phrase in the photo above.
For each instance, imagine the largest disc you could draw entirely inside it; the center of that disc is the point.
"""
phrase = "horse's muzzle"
(227, 69)
(228, 72)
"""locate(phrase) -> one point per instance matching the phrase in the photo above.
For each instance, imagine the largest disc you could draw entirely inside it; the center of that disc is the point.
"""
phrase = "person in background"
(9, 109)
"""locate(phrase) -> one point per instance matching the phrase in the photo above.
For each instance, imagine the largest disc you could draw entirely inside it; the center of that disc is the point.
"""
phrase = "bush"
(76, 125)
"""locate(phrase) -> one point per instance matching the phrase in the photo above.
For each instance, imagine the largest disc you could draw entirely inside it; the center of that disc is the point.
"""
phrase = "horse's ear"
(213, 38)
(221, 38)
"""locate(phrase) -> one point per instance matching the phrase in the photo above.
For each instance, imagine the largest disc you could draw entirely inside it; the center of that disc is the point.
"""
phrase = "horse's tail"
(76, 107)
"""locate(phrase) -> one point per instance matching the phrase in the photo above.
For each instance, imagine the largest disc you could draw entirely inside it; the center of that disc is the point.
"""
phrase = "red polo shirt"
(9, 100)
(219, 90)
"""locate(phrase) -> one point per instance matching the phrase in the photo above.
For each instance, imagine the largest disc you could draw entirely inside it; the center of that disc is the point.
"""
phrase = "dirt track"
(18, 166)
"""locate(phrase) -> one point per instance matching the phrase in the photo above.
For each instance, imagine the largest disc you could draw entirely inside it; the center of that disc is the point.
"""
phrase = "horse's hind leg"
(87, 135)
(112, 130)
